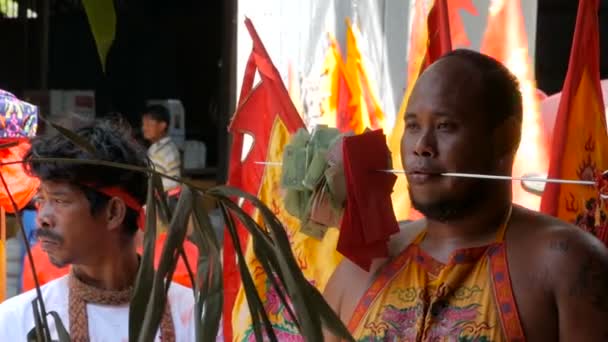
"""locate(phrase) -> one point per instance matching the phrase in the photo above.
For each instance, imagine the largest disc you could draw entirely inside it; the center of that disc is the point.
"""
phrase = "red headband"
(130, 201)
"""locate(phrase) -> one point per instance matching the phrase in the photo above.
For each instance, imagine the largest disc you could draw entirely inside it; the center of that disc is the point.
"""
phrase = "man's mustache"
(48, 235)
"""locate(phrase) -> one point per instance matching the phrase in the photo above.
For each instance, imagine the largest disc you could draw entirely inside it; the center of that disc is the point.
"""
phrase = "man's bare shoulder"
(349, 282)
(573, 268)
(556, 245)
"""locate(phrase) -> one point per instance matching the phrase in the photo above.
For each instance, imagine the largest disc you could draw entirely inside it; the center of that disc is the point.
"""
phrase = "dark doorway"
(180, 49)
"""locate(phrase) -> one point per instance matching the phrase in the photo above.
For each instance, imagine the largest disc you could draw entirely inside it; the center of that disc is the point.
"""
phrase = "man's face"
(67, 231)
(446, 131)
(152, 129)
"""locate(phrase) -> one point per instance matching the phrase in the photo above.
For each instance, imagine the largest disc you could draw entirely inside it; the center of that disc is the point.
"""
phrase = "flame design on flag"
(580, 141)
(505, 39)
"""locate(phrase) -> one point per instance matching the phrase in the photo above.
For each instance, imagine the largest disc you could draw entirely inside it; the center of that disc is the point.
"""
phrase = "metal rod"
(269, 163)
(527, 179)
(480, 176)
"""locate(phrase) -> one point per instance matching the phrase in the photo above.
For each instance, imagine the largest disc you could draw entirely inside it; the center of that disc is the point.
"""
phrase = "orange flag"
(505, 39)
(335, 105)
(580, 141)
(457, 32)
(367, 111)
(430, 39)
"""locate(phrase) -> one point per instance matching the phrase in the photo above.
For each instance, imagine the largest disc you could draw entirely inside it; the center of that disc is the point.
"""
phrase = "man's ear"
(116, 211)
(165, 126)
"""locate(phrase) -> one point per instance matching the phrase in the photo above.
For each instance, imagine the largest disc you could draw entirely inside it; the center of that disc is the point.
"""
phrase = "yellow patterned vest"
(417, 298)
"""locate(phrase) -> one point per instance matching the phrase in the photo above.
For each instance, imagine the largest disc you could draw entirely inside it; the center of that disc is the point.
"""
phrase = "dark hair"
(500, 93)
(112, 141)
(159, 113)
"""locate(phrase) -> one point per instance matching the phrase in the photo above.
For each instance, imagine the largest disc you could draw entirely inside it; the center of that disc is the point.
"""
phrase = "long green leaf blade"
(209, 299)
(166, 267)
(62, 332)
(71, 136)
(145, 274)
(254, 302)
(296, 283)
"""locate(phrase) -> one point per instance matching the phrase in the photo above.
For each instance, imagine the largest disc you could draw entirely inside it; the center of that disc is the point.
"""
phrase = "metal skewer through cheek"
(497, 177)
(526, 179)
(478, 175)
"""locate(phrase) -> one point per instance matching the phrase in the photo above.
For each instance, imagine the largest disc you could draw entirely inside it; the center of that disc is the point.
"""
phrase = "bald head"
(494, 87)
(463, 115)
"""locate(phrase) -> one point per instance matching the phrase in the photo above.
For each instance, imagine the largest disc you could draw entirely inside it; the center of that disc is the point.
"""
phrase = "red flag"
(256, 113)
(580, 141)
(430, 39)
(440, 41)
(457, 31)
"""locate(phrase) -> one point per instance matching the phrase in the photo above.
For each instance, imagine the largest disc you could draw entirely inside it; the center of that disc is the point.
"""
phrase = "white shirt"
(106, 323)
(165, 156)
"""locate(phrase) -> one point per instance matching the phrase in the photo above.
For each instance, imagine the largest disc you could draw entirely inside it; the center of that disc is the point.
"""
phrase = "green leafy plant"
(271, 246)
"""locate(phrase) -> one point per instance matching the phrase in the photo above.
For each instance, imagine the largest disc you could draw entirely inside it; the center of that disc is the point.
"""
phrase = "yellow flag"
(367, 112)
(580, 141)
(330, 84)
(316, 259)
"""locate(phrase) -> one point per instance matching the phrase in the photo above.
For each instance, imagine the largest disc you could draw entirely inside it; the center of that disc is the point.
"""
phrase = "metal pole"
(22, 15)
(44, 13)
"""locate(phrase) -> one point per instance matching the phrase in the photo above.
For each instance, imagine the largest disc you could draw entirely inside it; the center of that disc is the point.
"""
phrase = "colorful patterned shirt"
(417, 298)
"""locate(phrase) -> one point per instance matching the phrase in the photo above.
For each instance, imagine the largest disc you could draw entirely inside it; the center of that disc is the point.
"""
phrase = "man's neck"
(473, 229)
(114, 270)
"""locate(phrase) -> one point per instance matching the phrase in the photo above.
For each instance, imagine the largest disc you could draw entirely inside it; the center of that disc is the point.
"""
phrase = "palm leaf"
(256, 307)
(306, 299)
(309, 322)
(209, 295)
(271, 247)
(73, 137)
(145, 274)
(166, 267)
(41, 327)
(62, 332)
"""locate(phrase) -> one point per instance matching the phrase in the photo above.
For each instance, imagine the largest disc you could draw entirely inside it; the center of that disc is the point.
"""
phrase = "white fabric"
(165, 156)
(106, 323)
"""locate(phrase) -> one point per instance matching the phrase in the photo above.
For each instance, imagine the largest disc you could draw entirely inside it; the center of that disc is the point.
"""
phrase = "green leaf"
(62, 333)
(71, 136)
(256, 307)
(37, 333)
(209, 298)
(145, 274)
(161, 197)
(166, 267)
(273, 273)
(102, 19)
(296, 284)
